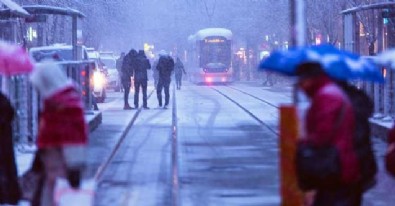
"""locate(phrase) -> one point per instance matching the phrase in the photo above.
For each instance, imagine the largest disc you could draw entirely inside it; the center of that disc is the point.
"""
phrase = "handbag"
(32, 180)
(65, 195)
(319, 167)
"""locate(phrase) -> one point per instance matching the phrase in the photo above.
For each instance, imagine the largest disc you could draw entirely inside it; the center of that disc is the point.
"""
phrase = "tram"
(209, 56)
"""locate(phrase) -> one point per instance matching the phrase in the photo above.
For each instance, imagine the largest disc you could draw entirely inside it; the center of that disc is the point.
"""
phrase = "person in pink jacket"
(62, 134)
(330, 121)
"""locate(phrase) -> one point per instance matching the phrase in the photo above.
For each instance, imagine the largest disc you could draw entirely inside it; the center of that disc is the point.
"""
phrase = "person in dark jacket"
(141, 78)
(165, 67)
(390, 153)
(155, 73)
(127, 74)
(9, 188)
(119, 66)
(178, 71)
(330, 121)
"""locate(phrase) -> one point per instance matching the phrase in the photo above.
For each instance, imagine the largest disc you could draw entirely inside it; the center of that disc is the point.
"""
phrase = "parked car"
(109, 64)
(100, 77)
(64, 52)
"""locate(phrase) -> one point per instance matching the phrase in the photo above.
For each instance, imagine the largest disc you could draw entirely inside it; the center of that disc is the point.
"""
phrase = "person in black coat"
(9, 187)
(165, 67)
(127, 72)
(178, 71)
(140, 68)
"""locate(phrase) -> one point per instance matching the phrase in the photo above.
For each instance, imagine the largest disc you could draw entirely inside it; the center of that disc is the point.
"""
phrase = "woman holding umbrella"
(328, 159)
(329, 123)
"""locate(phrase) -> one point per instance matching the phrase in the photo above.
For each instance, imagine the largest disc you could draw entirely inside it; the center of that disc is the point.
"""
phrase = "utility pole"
(292, 18)
(297, 22)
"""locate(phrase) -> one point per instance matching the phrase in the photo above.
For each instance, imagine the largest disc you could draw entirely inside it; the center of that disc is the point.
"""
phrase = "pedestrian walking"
(155, 73)
(141, 78)
(119, 67)
(62, 135)
(236, 67)
(165, 67)
(9, 188)
(178, 71)
(328, 137)
(127, 74)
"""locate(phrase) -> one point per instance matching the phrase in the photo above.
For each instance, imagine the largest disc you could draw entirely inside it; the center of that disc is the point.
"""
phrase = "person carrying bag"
(327, 173)
(323, 132)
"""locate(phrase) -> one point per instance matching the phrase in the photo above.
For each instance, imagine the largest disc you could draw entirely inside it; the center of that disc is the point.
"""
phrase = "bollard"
(291, 195)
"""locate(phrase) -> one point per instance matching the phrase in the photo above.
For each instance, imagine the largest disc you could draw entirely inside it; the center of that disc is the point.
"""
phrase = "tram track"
(253, 96)
(102, 168)
(248, 111)
(174, 153)
(174, 148)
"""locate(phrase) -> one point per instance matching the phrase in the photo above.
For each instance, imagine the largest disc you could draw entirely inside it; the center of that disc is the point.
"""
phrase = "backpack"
(166, 64)
(363, 109)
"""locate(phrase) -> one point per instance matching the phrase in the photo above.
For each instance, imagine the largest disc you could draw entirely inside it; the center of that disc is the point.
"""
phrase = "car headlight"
(98, 80)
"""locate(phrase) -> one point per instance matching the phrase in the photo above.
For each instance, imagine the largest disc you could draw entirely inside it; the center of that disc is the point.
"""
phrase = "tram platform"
(94, 119)
(380, 127)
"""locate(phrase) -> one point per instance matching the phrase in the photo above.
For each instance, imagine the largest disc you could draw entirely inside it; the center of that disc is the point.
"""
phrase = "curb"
(94, 119)
(379, 131)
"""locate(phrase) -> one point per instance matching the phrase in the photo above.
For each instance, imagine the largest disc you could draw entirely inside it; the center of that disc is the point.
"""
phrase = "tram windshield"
(215, 51)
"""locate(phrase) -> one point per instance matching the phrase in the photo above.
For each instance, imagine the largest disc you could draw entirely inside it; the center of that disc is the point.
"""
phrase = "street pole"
(292, 18)
(300, 22)
(297, 23)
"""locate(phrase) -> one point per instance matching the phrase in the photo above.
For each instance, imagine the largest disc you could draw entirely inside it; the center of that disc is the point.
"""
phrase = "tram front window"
(215, 53)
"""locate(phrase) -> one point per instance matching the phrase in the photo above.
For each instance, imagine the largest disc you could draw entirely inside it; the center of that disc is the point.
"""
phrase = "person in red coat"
(62, 134)
(329, 105)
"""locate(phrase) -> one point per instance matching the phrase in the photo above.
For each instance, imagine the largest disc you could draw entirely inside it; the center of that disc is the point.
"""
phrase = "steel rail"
(247, 111)
(174, 154)
(103, 167)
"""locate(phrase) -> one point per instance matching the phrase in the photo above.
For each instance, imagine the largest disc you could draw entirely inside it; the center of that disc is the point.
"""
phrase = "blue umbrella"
(338, 64)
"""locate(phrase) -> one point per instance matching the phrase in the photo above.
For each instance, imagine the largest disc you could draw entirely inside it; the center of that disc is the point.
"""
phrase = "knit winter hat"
(48, 78)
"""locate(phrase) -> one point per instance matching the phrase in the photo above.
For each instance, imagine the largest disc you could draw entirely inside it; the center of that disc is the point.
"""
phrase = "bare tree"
(324, 18)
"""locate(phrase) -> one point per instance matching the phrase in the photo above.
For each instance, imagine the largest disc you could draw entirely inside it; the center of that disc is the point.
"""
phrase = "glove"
(74, 178)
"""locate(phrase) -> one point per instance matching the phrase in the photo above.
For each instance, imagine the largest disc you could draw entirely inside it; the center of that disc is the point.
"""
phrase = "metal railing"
(26, 101)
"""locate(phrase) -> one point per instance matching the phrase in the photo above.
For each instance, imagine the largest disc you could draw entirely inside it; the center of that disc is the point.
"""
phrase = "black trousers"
(178, 81)
(345, 196)
(163, 84)
(126, 87)
(137, 85)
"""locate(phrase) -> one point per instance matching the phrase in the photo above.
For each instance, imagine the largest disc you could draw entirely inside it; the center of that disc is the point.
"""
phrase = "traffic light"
(36, 18)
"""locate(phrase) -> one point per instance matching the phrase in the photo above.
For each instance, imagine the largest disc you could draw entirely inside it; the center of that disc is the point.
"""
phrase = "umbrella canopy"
(386, 58)
(14, 60)
(338, 64)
